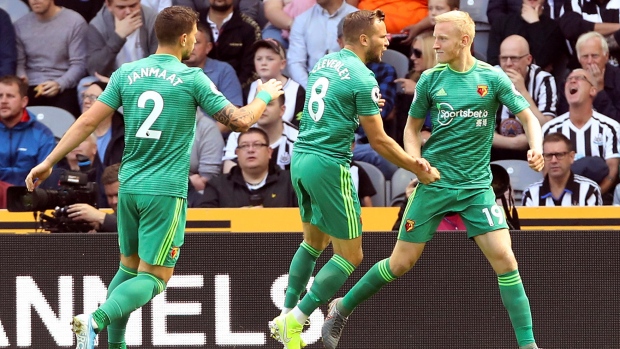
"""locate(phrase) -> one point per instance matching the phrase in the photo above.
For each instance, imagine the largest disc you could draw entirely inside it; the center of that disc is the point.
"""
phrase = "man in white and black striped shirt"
(590, 133)
(561, 187)
(536, 85)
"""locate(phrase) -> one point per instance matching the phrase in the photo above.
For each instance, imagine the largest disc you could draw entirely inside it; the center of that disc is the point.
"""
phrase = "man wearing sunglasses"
(592, 134)
(561, 187)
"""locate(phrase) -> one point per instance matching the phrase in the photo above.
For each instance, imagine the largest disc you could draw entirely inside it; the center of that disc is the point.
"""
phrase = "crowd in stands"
(562, 56)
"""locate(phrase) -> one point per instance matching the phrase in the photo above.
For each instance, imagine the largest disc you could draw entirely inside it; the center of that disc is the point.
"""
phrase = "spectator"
(543, 34)
(314, 34)
(121, 32)
(616, 201)
(250, 8)
(270, 62)
(234, 33)
(219, 72)
(423, 57)
(51, 54)
(111, 131)
(582, 16)
(536, 85)
(207, 150)
(561, 187)
(8, 49)
(82, 159)
(593, 54)
(280, 134)
(254, 183)
(361, 181)
(157, 5)
(401, 16)
(280, 14)
(99, 220)
(25, 141)
(590, 133)
(87, 8)
(497, 9)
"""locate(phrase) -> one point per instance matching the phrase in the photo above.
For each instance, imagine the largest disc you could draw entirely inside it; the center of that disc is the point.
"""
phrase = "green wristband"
(264, 96)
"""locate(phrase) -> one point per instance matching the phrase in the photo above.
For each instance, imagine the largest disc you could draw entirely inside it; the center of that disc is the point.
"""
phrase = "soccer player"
(462, 95)
(342, 94)
(159, 95)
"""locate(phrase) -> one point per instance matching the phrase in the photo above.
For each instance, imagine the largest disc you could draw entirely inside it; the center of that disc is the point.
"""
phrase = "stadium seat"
(378, 181)
(399, 61)
(521, 176)
(15, 8)
(400, 179)
(58, 120)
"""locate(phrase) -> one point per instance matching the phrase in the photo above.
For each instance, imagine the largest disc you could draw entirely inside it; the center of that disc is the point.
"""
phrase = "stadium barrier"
(375, 219)
(227, 287)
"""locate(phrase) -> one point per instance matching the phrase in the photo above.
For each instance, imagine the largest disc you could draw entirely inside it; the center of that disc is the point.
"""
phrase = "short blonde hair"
(592, 35)
(461, 20)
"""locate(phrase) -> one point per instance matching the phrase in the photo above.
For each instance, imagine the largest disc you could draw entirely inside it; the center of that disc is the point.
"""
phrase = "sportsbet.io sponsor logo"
(446, 113)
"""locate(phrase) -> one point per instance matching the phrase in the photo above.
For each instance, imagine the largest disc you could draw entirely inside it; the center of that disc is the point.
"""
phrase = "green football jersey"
(462, 108)
(340, 90)
(159, 96)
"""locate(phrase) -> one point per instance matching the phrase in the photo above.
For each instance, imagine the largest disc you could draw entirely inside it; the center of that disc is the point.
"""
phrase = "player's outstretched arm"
(77, 133)
(389, 149)
(533, 131)
(240, 119)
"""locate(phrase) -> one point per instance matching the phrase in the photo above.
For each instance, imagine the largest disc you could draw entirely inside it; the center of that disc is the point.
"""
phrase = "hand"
(102, 78)
(411, 32)
(530, 14)
(124, 27)
(517, 80)
(380, 103)
(273, 87)
(38, 175)
(407, 85)
(24, 78)
(197, 181)
(48, 88)
(86, 213)
(429, 177)
(598, 75)
(535, 160)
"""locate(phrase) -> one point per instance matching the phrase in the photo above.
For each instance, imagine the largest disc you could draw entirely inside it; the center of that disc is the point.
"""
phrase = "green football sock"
(116, 329)
(326, 283)
(518, 306)
(299, 273)
(127, 297)
(377, 277)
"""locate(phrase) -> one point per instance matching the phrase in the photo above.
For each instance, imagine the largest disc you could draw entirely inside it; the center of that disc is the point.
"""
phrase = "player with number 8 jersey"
(159, 96)
(343, 93)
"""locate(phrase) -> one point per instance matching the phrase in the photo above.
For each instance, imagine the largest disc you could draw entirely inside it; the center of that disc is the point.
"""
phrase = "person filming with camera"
(99, 220)
(253, 183)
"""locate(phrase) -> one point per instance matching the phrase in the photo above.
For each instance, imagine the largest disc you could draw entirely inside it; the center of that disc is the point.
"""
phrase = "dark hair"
(14, 80)
(254, 130)
(453, 4)
(206, 29)
(110, 174)
(281, 99)
(360, 22)
(558, 137)
(174, 21)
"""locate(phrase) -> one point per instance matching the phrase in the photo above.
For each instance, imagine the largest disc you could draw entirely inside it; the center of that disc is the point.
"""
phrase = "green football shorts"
(429, 204)
(153, 226)
(326, 195)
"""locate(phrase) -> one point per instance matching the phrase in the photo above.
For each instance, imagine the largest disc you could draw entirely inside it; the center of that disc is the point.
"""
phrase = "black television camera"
(74, 187)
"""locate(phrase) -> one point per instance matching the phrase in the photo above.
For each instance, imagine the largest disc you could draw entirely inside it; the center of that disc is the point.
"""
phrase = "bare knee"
(132, 261)
(405, 256)
(164, 273)
(399, 264)
(503, 262)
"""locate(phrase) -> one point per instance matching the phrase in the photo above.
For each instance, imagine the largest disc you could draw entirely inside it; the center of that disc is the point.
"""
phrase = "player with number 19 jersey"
(340, 88)
(462, 107)
(159, 96)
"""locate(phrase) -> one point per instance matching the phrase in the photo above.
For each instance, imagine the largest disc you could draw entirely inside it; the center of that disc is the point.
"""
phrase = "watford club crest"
(483, 90)
(409, 224)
